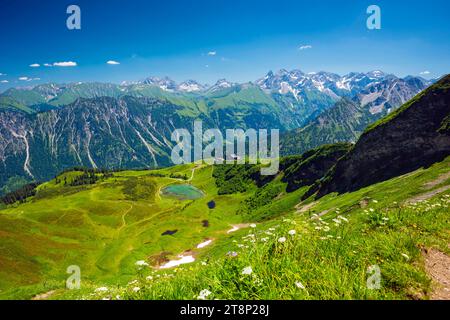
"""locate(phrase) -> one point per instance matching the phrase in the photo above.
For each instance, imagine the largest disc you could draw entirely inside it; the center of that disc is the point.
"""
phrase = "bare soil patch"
(437, 265)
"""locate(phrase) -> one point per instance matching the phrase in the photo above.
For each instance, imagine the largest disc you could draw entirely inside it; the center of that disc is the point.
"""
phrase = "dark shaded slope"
(304, 170)
(414, 136)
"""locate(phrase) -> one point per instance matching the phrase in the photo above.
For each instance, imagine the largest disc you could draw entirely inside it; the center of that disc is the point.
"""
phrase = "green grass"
(314, 263)
(7, 103)
(105, 228)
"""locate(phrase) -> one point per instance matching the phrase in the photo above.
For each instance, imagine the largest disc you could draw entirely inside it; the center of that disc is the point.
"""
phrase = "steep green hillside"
(344, 122)
(121, 230)
(9, 104)
(27, 97)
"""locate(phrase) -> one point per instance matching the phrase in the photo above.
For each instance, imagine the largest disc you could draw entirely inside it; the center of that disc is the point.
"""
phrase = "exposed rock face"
(414, 136)
(342, 123)
(347, 119)
(112, 133)
(97, 133)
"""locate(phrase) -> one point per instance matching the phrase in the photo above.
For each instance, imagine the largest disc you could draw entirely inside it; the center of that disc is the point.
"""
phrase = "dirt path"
(427, 195)
(437, 265)
(320, 215)
(192, 174)
(124, 222)
(305, 208)
(236, 227)
(442, 178)
(44, 296)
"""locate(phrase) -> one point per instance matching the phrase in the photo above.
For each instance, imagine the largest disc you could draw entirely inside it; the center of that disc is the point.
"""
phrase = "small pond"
(182, 192)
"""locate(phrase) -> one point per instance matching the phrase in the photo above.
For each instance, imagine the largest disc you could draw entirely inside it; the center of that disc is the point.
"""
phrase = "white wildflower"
(204, 294)
(282, 239)
(299, 285)
(292, 232)
(247, 270)
(141, 263)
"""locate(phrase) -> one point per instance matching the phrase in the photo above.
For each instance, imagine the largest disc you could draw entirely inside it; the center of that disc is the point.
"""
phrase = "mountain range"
(48, 128)
(383, 199)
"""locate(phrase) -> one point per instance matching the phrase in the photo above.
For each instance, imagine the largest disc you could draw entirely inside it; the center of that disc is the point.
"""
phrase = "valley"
(109, 227)
(53, 127)
(317, 230)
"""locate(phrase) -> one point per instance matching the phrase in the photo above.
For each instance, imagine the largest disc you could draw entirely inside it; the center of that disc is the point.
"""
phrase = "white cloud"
(48, 65)
(424, 73)
(35, 65)
(112, 62)
(29, 79)
(212, 53)
(305, 47)
(65, 64)
(4, 81)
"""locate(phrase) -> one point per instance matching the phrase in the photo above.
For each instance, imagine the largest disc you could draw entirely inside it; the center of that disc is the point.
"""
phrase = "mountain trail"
(236, 227)
(437, 265)
(305, 208)
(428, 195)
(124, 222)
(320, 215)
(44, 296)
(442, 178)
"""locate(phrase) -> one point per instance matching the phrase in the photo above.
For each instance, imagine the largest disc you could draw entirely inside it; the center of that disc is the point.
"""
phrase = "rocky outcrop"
(412, 137)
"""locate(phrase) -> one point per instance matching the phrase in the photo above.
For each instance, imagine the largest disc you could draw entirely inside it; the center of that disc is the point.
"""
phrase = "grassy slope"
(9, 104)
(106, 228)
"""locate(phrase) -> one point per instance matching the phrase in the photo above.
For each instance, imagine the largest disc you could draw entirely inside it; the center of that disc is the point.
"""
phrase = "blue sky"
(244, 39)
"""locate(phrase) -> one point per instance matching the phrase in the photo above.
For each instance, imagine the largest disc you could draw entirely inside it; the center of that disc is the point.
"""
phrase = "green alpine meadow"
(217, 159)
(341, 221)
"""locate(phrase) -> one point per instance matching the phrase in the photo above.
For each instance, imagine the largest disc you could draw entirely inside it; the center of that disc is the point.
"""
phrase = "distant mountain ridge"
(284, 82)
(415, 135)
(51, 127)
(347, 119)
